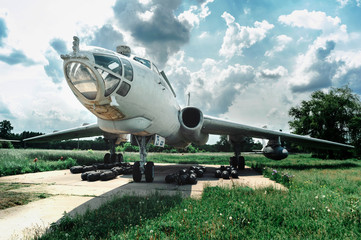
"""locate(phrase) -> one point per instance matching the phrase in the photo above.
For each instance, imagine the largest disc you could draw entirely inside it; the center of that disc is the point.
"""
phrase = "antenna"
(188, 99)
(76, 44)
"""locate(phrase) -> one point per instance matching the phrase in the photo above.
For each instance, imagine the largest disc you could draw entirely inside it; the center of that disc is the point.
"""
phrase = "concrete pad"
(74, 196)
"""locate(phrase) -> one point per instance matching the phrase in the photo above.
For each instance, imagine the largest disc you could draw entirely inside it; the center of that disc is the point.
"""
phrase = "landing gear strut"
(142, 167)
(237, 161)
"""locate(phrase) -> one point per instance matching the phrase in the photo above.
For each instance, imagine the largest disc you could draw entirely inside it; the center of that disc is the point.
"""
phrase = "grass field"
(19, 161)
(323, 202)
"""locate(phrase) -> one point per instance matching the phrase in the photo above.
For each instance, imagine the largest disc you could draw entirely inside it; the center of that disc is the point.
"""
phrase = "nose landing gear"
(142, 167)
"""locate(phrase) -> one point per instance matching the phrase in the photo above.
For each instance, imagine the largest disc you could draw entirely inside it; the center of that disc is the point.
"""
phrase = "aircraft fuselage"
(127, 94)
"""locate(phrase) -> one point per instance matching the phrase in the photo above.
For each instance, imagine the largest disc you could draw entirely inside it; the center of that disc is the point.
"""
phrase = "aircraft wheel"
(241, 163)
(107, 158)
(149, 172)
(233, 162)
(137, 174)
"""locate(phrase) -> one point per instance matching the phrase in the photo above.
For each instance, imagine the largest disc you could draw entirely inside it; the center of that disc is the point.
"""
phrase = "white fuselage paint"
(149, 107)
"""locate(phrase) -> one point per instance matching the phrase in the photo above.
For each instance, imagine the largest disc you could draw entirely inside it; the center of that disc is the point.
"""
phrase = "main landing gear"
(112, 157)
(237, 161)
(143, 167)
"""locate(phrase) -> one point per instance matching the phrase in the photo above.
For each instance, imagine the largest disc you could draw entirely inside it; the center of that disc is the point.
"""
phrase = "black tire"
(241, 163)
(137, 174)
(107, 158)
(149, 172)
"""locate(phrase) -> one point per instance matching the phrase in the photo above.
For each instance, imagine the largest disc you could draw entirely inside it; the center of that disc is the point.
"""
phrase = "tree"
(334, 116)
(223, 145)
(5, 129)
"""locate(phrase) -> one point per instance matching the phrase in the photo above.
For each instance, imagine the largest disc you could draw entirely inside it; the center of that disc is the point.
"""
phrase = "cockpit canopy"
(112, 70)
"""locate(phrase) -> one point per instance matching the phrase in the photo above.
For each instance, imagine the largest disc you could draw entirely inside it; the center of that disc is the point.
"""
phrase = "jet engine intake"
(191, 121)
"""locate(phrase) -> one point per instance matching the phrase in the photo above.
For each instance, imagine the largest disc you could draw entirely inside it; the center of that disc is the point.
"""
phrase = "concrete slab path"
(72, 195)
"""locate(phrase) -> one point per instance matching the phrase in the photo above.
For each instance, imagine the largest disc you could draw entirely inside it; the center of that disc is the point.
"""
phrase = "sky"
(247, 61)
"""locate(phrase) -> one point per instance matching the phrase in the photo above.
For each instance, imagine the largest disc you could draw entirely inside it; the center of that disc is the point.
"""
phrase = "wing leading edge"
(89, 130)
(217, 126)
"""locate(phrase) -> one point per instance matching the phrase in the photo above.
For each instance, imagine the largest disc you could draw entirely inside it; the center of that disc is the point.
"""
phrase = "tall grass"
(18, 161)
(323, 202)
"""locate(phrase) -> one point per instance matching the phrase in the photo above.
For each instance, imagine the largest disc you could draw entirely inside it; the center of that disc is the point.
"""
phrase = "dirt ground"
(72, 195)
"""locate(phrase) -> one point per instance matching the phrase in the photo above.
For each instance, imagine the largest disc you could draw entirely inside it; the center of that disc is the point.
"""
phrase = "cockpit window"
(113, 64)
(123, 89)
(109, 62)
(128, 70)
(82, 79)
(143, 61)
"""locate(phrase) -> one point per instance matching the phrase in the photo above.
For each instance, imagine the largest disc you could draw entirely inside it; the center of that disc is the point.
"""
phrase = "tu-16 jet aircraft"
(128, 95)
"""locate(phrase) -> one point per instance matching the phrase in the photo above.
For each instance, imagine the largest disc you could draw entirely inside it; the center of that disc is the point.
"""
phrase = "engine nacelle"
(191, 121)
(275, 152)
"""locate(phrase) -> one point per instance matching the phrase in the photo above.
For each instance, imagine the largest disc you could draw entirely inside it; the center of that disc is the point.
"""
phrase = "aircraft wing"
(8, 140)
(217, 126)
(90, 130)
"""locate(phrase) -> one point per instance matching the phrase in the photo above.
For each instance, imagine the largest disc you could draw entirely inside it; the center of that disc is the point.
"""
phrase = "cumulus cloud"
(342, 3)
(179, 75)
(54, 68)
(159, 30)
(316, 68)
(274, 73)
(16, 57)
(3, 31)
(281, 42)
(106, 36)
(350, 71)
(213, 89)
(195, 14)
(316, 20)
(5, 112)
(59, 45)
(239, 37)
